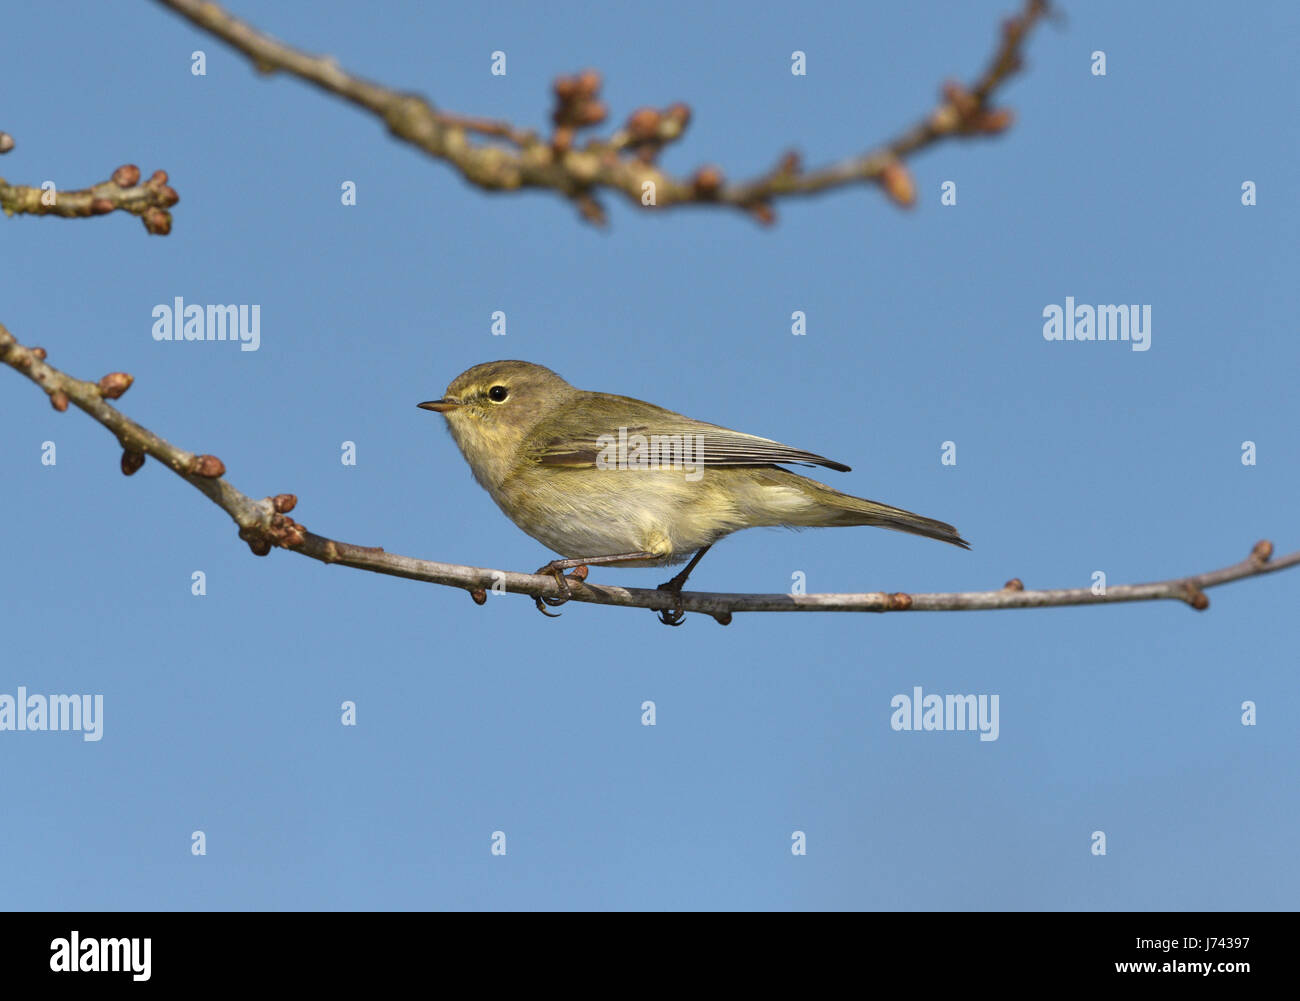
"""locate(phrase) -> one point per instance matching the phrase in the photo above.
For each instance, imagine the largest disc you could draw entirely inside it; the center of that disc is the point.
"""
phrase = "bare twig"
(624, 161)
(264, 524)
(150, 200)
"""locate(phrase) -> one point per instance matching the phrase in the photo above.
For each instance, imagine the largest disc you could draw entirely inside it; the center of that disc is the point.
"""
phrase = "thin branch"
(624, 161)
(150, 200)
(264, 524)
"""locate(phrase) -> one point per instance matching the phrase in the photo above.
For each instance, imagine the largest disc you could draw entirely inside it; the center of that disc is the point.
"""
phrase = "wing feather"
(578, 436)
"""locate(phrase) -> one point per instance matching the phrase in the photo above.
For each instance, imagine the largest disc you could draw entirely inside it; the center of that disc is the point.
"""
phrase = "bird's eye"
(498, 394)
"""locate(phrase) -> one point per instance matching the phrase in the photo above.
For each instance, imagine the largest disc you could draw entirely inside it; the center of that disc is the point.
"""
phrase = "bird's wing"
(583, 431)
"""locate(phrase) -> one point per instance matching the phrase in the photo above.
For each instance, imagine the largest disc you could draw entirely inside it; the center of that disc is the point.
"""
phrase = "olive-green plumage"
(564, 466)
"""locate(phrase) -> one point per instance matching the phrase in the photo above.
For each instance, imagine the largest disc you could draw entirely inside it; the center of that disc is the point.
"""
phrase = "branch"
(150, 200)
(624, 161)
(264, 524)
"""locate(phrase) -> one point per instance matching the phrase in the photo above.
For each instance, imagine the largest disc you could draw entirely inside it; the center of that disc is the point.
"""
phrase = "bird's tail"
(860, 511)
(786, 498)
(822, 505)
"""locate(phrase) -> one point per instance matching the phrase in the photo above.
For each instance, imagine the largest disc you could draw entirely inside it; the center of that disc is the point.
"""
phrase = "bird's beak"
(441, 406)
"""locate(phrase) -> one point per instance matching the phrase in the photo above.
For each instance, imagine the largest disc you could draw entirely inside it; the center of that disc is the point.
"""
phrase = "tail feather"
(835, 508)
(796, 501)
(860, 511)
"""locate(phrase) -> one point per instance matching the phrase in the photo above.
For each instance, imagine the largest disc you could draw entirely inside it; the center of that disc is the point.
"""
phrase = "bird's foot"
(675, 615)
(556, 569)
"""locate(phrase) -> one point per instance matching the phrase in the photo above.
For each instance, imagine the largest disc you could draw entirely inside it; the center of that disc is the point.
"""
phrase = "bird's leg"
(678, 582)
(674, 587)
(556, 569)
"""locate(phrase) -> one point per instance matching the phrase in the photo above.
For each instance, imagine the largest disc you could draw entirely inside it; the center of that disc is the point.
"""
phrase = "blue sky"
(222, 711)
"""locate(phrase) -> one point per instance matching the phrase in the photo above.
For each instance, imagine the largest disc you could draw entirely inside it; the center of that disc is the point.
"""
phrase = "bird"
(611, 480)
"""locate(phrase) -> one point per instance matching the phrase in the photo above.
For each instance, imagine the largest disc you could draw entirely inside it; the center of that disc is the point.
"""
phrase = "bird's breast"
(595, 512)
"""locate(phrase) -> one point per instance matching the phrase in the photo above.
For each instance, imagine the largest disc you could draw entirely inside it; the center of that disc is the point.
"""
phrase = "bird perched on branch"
(604, 479)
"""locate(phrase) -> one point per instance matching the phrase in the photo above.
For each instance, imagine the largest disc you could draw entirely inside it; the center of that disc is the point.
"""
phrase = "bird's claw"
(542, 608)
(676, 615)
(541, 601)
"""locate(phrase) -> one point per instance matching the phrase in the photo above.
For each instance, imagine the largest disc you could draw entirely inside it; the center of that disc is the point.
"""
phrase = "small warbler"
(604, 479)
